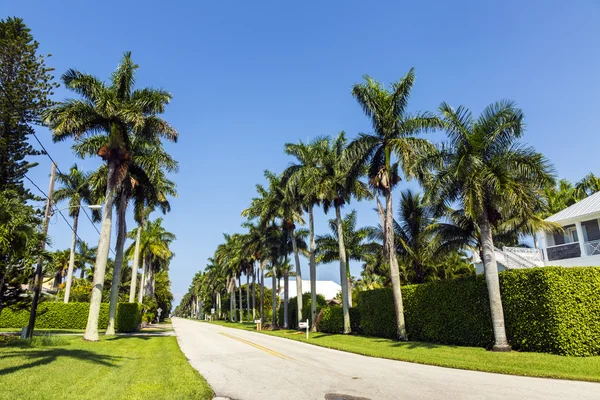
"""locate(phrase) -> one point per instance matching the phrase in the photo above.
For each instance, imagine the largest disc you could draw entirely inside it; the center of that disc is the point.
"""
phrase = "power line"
(47, 153)
(60, 211)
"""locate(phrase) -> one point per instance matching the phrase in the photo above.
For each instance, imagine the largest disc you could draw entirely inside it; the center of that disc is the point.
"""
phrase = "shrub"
(355, 320)
(550, 309)
(128, 317)
(293, 306)
(58, 315)
(553, 309)
(333, 320)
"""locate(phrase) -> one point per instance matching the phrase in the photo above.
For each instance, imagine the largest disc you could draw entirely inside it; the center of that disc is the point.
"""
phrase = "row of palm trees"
(121, 125)
(480, 184)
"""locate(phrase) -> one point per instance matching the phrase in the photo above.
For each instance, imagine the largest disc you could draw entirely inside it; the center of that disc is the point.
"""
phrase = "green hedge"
(129, 316)
(293, 307)
(550, 309)
(58, 315)
(332, 320)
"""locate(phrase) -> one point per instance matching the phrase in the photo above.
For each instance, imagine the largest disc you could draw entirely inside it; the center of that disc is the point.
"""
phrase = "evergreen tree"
(25, 87)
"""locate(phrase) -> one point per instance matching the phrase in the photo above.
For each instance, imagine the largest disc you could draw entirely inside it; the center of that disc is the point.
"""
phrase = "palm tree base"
(501, 348)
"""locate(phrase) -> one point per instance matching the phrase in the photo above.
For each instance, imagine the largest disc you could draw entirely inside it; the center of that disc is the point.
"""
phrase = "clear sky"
(247, 77)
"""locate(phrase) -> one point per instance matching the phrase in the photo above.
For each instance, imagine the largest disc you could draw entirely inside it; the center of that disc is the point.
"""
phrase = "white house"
(577, 245)
(329, 289)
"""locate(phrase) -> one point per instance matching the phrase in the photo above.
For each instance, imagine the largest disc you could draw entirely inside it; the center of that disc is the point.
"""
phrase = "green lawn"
(473, 358)
(44, 331)
(63, 367)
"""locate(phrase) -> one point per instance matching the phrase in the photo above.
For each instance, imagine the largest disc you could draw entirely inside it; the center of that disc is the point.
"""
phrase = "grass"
(471, 358)
(65, 367)
(43, 331)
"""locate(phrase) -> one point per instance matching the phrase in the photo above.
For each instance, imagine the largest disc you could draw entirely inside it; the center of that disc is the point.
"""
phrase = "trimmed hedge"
(293, 306)
(58, 315)
(129, 316)
(333, 320)
(550, 309)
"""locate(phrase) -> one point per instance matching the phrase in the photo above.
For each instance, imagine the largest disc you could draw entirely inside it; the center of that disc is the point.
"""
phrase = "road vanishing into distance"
(247, 365)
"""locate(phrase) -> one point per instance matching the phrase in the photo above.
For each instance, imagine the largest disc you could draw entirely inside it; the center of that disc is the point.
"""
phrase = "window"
(571, 234)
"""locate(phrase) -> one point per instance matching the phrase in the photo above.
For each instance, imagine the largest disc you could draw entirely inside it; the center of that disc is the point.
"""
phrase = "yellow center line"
(265, 349)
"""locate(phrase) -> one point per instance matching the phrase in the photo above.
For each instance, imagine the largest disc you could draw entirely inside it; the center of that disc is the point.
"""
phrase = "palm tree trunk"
(394, 271)
(218, 310)
(286, 279)
(82, 272)
(253, 293)
(298, 276)
(91, 329)
(232, 305)
(150, 279)
(491, 278)
(343, 272)
(241, 303)
(142, 280)
(313, 270)
(262, 292)
(136, 263)
(71, 259)
(116, 278)
(273, 296)
(348, 278)
(248, 295)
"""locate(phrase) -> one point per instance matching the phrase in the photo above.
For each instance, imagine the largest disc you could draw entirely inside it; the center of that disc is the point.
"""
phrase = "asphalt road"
(246, 365)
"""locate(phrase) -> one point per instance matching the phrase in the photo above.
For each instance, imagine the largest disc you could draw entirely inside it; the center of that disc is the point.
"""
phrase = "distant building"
(329, 289)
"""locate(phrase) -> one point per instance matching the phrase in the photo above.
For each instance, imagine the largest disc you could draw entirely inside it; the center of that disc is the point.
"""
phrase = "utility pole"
(37, 285)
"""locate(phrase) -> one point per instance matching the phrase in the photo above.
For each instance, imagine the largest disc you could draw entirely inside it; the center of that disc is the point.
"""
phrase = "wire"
(47, 153)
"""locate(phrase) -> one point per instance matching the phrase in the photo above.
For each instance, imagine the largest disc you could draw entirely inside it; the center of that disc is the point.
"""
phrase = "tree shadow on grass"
(43, 357)
(413, 345)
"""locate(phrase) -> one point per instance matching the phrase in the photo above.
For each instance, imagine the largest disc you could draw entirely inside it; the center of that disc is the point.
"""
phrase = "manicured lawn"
(44, 331)
(64, 367)
(473, 358)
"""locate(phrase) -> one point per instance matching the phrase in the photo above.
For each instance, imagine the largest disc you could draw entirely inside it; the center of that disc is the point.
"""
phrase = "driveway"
(247, 365)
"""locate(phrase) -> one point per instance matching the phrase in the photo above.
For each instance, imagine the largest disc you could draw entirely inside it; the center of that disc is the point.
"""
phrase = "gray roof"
(589, 205)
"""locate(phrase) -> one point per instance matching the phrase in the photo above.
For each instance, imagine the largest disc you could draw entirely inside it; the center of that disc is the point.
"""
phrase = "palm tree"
(154, 251)
(394, 132)
(302, 176)
(357, 243)
(85, 255)
(59, 266)
(589, 185)
(340, 182)
(76, 188)
(122, 113)
(491, 175)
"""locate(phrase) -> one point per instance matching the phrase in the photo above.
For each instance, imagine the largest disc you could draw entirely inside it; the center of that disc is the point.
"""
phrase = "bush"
(355, 320)
(333, 320)
(554, 310)
(128, 317)
(58, 315)
(550, 309)
(293, 306)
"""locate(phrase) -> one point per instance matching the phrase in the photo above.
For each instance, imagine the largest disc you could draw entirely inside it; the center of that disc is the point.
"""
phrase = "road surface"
(247, 365)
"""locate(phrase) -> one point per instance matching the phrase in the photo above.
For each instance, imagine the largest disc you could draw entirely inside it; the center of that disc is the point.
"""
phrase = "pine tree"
(26, 85)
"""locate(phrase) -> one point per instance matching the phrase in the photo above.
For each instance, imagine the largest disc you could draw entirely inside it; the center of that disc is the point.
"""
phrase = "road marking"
(265, 349)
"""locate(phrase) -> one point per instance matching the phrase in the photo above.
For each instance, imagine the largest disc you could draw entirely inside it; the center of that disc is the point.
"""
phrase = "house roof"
(589, 205)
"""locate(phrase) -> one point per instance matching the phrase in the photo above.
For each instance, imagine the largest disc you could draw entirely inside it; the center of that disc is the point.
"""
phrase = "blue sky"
(249, 76)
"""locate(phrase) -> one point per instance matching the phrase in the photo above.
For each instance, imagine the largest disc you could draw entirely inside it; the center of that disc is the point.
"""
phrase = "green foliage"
(25, 89)
(332, 320)
(128, 317)
(58, 315)
(551, 309)
(149, 307)
(355, 320)
(293, 307)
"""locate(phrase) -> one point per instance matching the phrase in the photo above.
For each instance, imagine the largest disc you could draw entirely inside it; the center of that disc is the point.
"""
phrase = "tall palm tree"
(59, 266)
(357, 243)
(122, 113)
(76, 188)
(490, 175)
(394, 132)
(302, 176)
(85, 255)
(340, 182)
